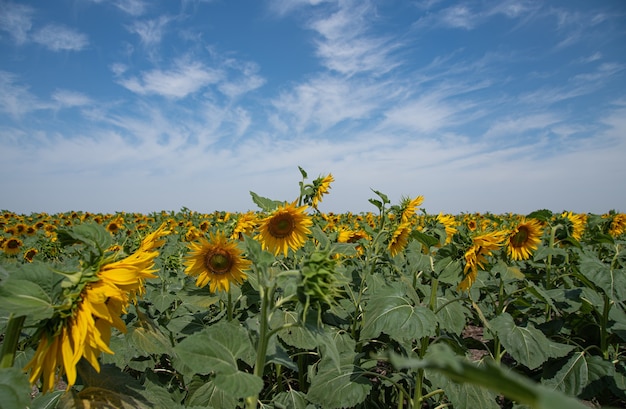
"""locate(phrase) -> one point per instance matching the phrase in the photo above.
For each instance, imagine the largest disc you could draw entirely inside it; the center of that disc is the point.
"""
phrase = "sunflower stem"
(259, 366)
(9, 344)
(229, 306)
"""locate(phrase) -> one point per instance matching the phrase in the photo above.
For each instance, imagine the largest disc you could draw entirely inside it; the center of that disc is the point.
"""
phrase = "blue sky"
(480, 106)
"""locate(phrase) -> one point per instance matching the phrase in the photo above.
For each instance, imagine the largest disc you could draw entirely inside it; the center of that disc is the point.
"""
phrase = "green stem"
(11, 337)
(419, 378)
(259, 366)
(604, 336)
(229, 306)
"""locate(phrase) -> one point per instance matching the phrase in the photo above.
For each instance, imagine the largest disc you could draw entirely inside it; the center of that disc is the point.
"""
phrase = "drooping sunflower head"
(524, 239)
(574, 224)
(408, 207)
(285, 228)
(449, 224)
(399, 239)
(217, 261)
(618, 224)
(321, 186)
(482, 246)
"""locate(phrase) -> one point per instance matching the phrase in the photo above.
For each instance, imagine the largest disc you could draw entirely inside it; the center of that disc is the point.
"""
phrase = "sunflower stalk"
(11, 337)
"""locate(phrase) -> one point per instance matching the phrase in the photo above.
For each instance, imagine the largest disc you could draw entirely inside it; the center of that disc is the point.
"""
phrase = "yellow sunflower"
(246, 223)
(285, 228)
(217, 261)
(321, 186)
(524, 239)
(399, 238)
(449, 224)
(30, 254)
(475, 256)
(12, 246)
(409, 206)
(579, 221)
(84, 331)
(618, 225)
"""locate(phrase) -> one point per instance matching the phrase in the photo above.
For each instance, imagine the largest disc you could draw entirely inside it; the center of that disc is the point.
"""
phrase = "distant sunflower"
(409, 206)
(84, 331)
(115, 225)
(12, 246)
(285, 228)
(475, 256)
(30, 254)
(579, 222)
(449, 224)
(618, 225)
(399, 238)
(217, 261)
(524, 239)
(246, 222)
(321, 186)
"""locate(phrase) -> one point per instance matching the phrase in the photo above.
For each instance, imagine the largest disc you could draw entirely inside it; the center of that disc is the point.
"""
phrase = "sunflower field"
(291, 307)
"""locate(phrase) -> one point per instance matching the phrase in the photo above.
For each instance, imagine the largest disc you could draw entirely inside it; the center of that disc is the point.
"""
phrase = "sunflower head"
(399, 239)
(524, 239)
(12, 246)
(285, 228)
(217, 261)
(320, 286)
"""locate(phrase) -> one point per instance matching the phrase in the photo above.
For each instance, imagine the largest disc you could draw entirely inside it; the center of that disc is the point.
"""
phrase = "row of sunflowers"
(288, 306)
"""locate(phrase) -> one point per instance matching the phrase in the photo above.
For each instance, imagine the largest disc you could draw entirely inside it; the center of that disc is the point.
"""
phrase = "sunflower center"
(520, 238)
(282, 226)
(219, 262)
(13, 244)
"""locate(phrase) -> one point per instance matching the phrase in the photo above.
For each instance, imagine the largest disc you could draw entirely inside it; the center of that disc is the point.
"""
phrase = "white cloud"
(16, 99)
(58, 38)
(345, 45)
(16, 19)
(150, 31)
(67, 98)
(512, 127)
(185, 79)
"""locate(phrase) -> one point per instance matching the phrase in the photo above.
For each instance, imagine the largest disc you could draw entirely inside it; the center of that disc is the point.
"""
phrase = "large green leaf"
(22, 297)
(442, 359)
(450, 314)
(14, 388)
(448, 270)
(391, 312)
(208, 395)
(339, 388)
(528, 345)
(91, 234)
(577, 372)
(290, 399)
(611, 281)
(216, 349)
(463, 395)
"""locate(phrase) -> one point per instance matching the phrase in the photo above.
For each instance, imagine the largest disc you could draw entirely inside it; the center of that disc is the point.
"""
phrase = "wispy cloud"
(16, 20)
(60, 38)
(184, 79)
(15, 99)
(67, 98)
(132, 7)
(151, 31)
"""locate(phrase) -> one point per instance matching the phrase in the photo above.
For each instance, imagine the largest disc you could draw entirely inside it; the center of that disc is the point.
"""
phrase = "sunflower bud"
(320, 285)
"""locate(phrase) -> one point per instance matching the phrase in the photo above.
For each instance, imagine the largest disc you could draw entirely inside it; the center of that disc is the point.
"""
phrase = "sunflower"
(399, 238)
(524, 239)
(409, 206)
(449, 224)
(618, 225)
(285, 228)
(321, 186)
(579, 222)
(30, 254)
(475, 256)
(12, 246)
(217, 261)
(246, 223)
(84, 330)
(115, 225)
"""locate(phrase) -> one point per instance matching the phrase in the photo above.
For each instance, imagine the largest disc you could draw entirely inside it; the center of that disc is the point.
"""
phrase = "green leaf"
(442, 359)
(571, 377)
(23, 297)
(209, 395)
(528, 345)
(427, 240)
(238, 384)
(298, 336)
(291, 399)
(303, 172)
(463, 395)
(216, 349)
(264, 203)
(612, 282)
(451, 318)
(91, 234)
(48, 400)
(382, 196)
(147, 337)
(14, 388)
(342, 387)
(448, 270)
(389, 311)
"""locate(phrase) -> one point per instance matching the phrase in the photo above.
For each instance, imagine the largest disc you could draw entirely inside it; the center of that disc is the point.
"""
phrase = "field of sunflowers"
(291, 307)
